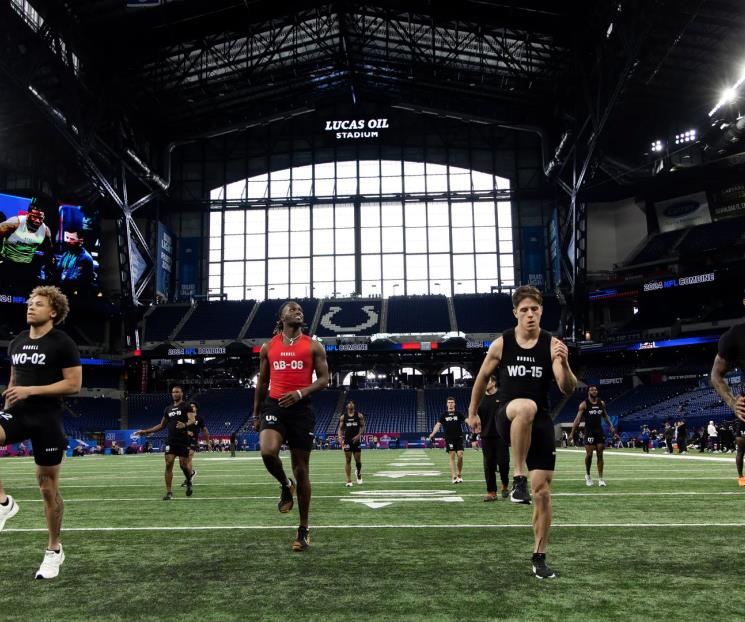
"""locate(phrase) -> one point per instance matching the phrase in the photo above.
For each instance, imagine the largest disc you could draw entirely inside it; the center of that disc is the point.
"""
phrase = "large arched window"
(445, 232)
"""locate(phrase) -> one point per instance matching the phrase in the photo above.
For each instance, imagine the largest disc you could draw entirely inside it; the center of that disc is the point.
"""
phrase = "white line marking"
(619, 454)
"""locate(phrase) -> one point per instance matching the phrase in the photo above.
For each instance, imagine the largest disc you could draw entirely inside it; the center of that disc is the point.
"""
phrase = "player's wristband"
(299, 393)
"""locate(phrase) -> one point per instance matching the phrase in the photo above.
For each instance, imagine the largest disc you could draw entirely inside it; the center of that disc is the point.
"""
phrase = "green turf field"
(660, 542)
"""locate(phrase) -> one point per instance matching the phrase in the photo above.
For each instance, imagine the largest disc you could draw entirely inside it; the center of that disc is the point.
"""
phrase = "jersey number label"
(284, 365)
(521, 370)
(36, 358)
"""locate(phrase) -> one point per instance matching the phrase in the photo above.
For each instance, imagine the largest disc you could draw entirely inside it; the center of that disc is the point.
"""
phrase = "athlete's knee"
(300, 471)
(48, 487)
(523, 408)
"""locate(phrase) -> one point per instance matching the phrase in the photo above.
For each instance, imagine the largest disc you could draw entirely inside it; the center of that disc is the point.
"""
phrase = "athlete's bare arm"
(435, 430)
(156, 428)
(362, 429)
(9, 226)
(72, 379)
(577, 419)
(607, 418)
(262, 385)
(321, 367)
(206, 433)
(719, 382)
(491, 361)
(340, 432)
(565, 378)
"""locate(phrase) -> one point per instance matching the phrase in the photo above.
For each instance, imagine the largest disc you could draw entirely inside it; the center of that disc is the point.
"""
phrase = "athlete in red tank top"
(286, 369)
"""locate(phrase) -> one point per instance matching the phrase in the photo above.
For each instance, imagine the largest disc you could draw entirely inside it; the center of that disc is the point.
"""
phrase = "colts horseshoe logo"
(372, 319)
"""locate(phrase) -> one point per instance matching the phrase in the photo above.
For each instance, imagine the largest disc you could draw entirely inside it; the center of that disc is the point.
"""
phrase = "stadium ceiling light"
(657, 146)
(729, 95)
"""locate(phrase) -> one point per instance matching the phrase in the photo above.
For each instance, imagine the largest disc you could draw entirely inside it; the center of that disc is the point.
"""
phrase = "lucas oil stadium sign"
(357, 128)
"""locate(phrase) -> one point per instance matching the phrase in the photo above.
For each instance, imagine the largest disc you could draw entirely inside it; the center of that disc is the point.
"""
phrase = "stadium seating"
(86, 415)
(216, 320)
(101, 377)
(324, 406)
(657, 247)
(418, 314)
(263, 323)
(713, 236)
(161, 321)
(483, 313)
(349, 316)
(387, 411)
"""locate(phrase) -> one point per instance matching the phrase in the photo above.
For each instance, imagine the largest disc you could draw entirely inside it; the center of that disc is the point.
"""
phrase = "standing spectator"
(645, 439)
(682, 434)
(669, 433)
(713, 436)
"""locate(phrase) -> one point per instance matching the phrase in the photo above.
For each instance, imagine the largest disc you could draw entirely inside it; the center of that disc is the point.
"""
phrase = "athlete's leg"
(460, 463)
(3, 496)
(358, 463)
(185, 464)
(490, 463)
(540, 481)
(521, 413)
(601, 463)
(170, 459)
(54, 507)
(588, 458)
(270, 442)
(451, 461)
(348, 464)
(503, 462)
(301, 469)
(739, 441)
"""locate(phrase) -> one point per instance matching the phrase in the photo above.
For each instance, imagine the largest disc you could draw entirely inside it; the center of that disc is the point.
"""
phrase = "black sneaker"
(520, 492)
(541, 570)
(186, 481)
(168, 496)
(189, 489)
(285, 498)
(302, 540)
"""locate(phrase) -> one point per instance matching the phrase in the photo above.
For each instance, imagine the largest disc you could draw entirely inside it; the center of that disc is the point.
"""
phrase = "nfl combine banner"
(164, 262)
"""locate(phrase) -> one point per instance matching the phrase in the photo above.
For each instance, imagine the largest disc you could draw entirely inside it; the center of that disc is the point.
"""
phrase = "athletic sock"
(7, 502)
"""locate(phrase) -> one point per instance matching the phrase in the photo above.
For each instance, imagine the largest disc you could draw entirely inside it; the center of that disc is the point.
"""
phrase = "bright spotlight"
(657, 146)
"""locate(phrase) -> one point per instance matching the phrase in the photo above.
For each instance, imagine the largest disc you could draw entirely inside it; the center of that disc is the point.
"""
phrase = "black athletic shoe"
(541, 570)
(168, 496)
(285, 498)
(189, 489)
(520, 492)
(302, 540)
(186, 481)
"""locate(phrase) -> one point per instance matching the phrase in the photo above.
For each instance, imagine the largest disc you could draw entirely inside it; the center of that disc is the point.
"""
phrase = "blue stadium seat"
(162, 320)
(418, 314)
(216, 320)
(263, 323)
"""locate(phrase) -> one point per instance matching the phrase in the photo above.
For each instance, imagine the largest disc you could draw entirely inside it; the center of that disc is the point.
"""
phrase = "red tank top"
(290, 366)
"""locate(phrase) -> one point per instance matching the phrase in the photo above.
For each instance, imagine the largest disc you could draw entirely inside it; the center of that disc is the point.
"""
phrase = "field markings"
(377, 499)
(620, 454)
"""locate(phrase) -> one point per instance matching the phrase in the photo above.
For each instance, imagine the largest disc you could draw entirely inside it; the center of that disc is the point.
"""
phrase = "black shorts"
(177, 449)
(739, 428)
(295, 423)
(542, 452)
(594, 437)
(350, 446)
(45, 431)
(454, 444)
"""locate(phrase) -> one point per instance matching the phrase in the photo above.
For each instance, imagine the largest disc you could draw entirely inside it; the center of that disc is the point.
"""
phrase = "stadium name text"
(684, 280)
(195, 351)
(355, 128)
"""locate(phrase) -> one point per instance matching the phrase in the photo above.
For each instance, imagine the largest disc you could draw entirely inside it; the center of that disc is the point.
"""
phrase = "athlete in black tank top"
(351, 429)
(593, 411)
(526, 360)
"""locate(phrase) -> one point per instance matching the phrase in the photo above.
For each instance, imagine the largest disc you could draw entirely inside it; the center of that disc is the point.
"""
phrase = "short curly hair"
(57, 300)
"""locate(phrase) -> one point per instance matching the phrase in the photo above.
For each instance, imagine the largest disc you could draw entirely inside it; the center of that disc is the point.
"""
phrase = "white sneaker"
(359, 480)
(588, 480)
(460, 480)
(49, 568)
(8, 511)
(601, 483)
(348, 484)
(455, 480)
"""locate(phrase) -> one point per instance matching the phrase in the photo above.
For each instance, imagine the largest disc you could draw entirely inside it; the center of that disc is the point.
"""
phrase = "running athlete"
(351, 429)
(177, 443)
(452, 422)
(731, 354)
(496, 449)
(192, 432)
(45, 366)
(286, 369)
(593, 410)
(527, 359)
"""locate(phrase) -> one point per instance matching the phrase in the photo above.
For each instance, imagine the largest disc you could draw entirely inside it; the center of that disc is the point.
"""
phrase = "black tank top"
(593, 415)
(351, 425)
(526, 373)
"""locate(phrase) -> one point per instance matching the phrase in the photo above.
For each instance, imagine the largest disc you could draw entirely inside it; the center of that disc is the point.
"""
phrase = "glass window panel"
(346, 186)
(215, 254)
(236, 190)
(505, 235)
(233, 273)
(390, 168)
(345, 288)
(278, 291)
(393, 267)
(508, 276)
(283, 174)
(346, 169)
(302, 172)
(370, 238)
(393, 287)
(254, 292)
(215, 270)
(323, 216)
(278, 271)
(506, 261)
(216, 194)
(436, 169)
(299, 290)
(369, 185)
(437, 183)
(300, 270)
(413, 168)
(414, 183)
(323, 242)
(486, 241)
(369, 168)
(233, 293)
(256, 189)
(504, 213)
(416, 240)
(255, 246)
(255, 275)
(391, 185)
(255, 220)
(344, 216)
(344, 268)
(486, 266)
(463, 240)
(323, 289)
(462, 214)
(484, 286)
(302, 187)
(439, 266)
(482, 181)
(345, 241)
(324, 187)
(300, 243)
(483, 214)
(235, 222)
(215, 243)
(234, 247)
(370, 214)
(417, 287)
(371, 267)
(216, 224)
(279, 219)
(464, 287)
(460, 182)
(279, 244)
(214, 283)
(416, 267)
(437, 214)
(439, 239)
(325, 170)
(415, 214)
(371, 288)
(506, 247)
(323, 268)
(391, 214)
(393, 239)
(300, 219)
(441, 286)
(463, 267)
